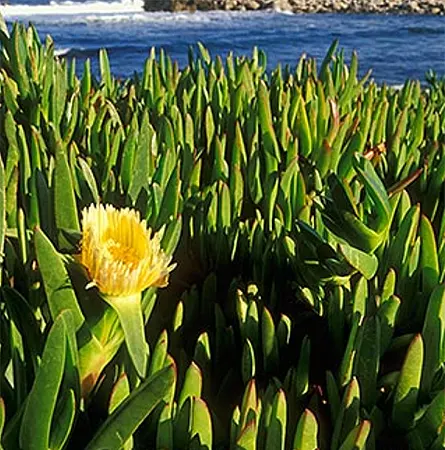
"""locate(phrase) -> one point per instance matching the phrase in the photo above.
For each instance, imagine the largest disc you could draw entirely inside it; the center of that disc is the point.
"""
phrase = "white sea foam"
(62, 51)
(69, 8)
(112, 12)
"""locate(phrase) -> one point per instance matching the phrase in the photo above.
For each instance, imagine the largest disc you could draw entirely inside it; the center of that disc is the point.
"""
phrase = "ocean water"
(396, 48)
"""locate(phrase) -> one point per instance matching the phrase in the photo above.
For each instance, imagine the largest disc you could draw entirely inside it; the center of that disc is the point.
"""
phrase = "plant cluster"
(305, 211)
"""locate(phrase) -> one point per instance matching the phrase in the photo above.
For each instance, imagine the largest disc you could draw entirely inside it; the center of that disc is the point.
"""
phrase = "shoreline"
(400, 7)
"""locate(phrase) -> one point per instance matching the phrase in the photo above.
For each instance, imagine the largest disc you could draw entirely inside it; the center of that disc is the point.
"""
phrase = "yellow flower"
(120, 254)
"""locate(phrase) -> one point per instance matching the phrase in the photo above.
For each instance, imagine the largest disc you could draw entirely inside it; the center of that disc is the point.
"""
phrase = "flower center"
(124, 253)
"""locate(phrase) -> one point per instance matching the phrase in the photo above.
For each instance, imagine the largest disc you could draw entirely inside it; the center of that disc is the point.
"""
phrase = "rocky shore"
(435, 7)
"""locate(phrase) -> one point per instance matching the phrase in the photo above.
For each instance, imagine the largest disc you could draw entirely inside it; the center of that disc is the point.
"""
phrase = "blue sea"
(396, 48)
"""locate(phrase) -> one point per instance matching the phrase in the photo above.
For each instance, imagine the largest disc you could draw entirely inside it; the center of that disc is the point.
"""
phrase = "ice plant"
(123, 258)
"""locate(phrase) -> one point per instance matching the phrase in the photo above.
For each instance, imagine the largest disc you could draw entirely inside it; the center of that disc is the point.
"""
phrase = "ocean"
(396, 48)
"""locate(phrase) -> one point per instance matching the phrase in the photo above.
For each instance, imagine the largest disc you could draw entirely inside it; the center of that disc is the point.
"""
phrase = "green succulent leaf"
(41, 402)
(201, 429)
(433, 334)
(429, 427)
(276, 431)
(127, 417)
(365, 263)
(358, 437)
(192, 386)
(406, 393)
(64, 420)
(306, 434)
(58, 286)
(129, 312)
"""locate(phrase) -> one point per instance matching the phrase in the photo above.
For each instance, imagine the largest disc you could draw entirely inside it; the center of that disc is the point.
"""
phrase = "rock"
(174, 5)
(205, 5)
(158, 5)
(276, 5)
(252, 5)
(183, 5)
(436, 7)
(413, 6)
(283, 5)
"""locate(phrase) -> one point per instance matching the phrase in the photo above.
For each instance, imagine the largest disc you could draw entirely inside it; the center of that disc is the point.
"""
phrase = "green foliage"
(306, 212)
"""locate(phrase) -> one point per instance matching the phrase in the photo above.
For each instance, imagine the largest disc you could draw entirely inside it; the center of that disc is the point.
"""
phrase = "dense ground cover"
(305, 211)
